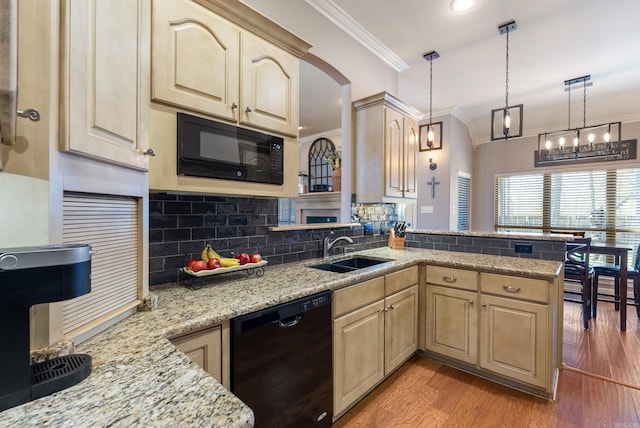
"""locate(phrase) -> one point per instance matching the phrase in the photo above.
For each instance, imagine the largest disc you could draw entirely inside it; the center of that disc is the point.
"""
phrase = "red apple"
(255, 258)
(198, 265)
(244, 258)
(214, 263)
(191, 262)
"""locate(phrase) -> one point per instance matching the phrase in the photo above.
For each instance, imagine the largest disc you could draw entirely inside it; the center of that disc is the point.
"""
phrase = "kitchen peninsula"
(140, 378)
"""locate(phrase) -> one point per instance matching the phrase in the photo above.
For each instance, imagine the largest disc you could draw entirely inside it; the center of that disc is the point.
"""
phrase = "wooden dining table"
(620, 250)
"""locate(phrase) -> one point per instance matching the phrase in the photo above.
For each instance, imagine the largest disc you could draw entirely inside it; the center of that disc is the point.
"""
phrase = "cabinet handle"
(449, 278)
(234, 105)
(31, 113)
(249, 109)
(511, 289)
(150, 152)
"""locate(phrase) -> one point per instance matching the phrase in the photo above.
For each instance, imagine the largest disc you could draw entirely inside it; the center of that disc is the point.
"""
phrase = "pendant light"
(431, 134)
(506, 122)
(594, 143)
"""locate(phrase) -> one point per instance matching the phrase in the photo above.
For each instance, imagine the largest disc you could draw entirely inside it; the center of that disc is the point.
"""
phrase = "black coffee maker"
(28, 276)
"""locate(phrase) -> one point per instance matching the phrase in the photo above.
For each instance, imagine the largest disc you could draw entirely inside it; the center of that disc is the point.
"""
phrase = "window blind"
(110, 226)
(602, 203)
(519, 202)
(464, 198)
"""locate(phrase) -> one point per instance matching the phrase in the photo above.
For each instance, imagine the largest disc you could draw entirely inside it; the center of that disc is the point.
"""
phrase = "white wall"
(516, 156)
(24, 211)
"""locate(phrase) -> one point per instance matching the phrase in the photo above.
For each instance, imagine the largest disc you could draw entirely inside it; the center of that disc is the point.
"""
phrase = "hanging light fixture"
(587, 143)
(431, 134)
(506, 122)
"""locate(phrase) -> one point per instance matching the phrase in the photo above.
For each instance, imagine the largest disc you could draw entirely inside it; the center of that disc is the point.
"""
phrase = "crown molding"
(247, 18)
(350, 26)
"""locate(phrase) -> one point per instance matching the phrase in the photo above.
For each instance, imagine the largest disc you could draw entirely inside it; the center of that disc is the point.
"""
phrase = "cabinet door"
(205, 349)
(513, 339)
(393, 155)
(195, 59)
(401, 327)
(269, 87)
(358, 354)
(410, 158)
(452, 323)
(105, 80)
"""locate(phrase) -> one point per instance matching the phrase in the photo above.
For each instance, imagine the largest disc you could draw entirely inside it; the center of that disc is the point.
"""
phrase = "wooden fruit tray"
(191, 277)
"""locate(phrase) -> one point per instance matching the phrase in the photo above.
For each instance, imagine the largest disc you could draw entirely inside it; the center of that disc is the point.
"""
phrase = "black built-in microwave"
(218, 150)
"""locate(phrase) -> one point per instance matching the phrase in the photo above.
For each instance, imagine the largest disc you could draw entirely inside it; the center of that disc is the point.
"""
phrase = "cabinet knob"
(470, 301)
(249, 109)
(150, 152)
(234, 105)
(392, 307)
(484, 305)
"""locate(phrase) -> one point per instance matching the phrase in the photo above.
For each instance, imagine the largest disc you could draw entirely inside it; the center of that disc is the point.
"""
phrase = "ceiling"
(555, 40)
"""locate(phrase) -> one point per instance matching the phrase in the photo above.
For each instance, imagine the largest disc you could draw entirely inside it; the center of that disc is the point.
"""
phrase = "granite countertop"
(140, 379)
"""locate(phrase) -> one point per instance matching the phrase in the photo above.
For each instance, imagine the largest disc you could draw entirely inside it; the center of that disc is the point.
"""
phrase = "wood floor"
(424, 393)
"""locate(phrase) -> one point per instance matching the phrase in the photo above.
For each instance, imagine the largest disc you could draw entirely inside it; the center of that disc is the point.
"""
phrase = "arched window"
(319, 167)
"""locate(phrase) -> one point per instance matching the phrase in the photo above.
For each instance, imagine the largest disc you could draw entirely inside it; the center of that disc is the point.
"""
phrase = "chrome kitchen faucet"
(327, 246)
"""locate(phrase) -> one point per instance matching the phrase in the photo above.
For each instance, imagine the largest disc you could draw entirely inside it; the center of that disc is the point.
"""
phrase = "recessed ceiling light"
(462, 5)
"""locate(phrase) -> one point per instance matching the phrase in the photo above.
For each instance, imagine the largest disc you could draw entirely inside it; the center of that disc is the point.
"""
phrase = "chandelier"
(506, 122)
(585, 143)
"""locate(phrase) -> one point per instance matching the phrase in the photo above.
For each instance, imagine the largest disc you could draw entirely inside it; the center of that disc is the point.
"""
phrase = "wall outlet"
(523, 248)
(426, 209)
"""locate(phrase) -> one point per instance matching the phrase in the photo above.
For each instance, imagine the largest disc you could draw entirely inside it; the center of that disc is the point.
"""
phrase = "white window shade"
(519, 202)
(464, 201)
(602, 203)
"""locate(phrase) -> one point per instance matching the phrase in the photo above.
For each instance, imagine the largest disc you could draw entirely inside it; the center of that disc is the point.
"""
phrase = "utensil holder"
(394, 242)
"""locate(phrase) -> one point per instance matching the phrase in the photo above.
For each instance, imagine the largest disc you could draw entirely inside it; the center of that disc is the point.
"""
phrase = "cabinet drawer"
(450, 277)
(398, 281)
(515, 287)
(356, 296)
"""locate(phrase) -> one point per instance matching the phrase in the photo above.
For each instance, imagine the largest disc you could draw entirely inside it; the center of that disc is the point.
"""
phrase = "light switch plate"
(426, 209)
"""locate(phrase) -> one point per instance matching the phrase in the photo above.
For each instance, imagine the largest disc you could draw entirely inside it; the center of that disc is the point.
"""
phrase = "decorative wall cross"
(433, 183)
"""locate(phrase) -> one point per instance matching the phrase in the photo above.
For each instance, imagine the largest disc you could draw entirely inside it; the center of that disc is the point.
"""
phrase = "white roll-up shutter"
(110, 226)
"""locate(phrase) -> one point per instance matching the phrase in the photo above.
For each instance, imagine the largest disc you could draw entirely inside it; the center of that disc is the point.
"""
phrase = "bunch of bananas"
(208, 253)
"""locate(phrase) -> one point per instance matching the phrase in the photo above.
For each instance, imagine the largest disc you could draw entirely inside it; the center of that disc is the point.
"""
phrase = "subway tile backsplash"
(181, 225)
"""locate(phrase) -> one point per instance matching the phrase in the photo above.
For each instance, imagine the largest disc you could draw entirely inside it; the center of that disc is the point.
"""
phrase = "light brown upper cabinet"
(385, 149)
(204, 63)
(104, 80)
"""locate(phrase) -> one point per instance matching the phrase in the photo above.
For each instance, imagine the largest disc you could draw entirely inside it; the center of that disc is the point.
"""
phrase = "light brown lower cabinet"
(502, 327)
(209, 349)
(452, 326)
(375, 330)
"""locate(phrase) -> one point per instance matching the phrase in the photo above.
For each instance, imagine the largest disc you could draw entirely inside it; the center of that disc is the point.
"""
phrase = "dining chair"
(613, 270)
(577, 270)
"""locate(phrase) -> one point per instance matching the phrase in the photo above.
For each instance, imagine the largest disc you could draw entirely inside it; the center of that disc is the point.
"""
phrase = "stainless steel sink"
(349, 265)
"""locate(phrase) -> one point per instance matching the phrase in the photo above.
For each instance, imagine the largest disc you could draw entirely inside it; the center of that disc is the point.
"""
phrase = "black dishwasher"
(281, 363)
